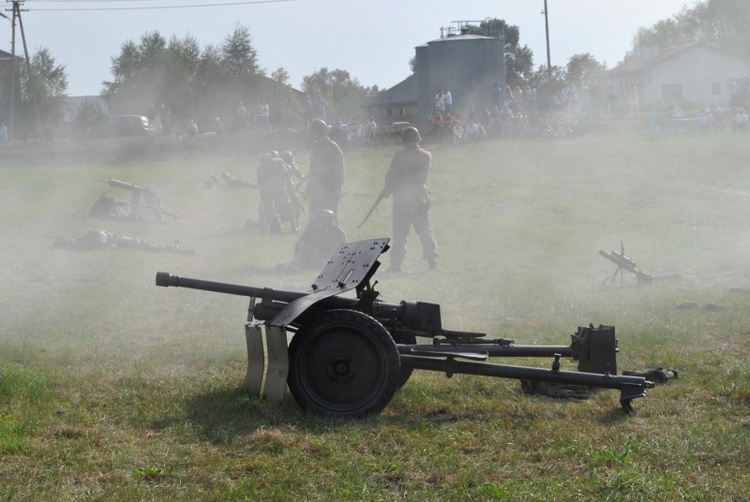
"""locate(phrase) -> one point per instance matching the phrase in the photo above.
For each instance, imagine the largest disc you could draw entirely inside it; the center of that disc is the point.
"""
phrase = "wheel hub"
(341, 369)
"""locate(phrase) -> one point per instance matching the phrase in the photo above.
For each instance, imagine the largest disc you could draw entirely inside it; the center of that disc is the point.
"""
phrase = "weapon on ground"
(624, 263)
(348, 356)
(140, 196)
(372, 209)
(291, 190)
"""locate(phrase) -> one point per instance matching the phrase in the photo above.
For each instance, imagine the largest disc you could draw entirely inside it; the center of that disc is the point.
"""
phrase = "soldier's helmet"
(324, 218)
(274, 154)
(319, 126)
(287, 157)
(410, 135)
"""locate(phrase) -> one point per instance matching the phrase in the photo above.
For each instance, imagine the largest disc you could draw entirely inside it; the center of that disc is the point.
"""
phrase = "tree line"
(201, 83)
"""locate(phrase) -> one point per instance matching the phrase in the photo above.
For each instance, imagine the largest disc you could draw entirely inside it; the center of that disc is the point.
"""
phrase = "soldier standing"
(276, 205)
(326, 175)
(406, 180)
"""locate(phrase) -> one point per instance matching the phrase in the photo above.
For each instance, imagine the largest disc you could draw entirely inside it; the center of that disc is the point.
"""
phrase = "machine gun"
(142, 200)
(139, 195)
(624, 263)
(348, 356)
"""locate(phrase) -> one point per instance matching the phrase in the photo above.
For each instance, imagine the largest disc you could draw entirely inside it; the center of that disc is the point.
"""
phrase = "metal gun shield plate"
(351, 264)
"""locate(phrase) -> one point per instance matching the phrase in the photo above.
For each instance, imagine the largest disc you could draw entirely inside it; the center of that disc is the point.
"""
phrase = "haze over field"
(518, 224)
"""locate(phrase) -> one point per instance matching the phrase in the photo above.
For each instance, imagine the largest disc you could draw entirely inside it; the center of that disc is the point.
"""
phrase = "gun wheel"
(344, 365)
(406, 371)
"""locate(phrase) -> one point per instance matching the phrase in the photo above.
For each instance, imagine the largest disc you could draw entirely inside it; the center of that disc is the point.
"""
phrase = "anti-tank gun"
(348, 356)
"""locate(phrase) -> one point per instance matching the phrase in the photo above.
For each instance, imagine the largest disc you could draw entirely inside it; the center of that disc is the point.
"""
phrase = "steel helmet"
(287, 157)
(410, 135)
(324, 218)
(274, 154)
(319, 126)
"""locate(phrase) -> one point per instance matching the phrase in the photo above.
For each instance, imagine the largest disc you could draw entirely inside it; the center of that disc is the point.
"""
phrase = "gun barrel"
(122, 184)
(423, 318)
(165, 279)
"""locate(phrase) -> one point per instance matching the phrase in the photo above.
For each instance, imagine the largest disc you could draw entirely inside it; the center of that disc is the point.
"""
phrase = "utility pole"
(546, 29)
(17, 17)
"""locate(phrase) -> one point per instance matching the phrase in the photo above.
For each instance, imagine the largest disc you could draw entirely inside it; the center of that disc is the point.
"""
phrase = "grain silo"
(466, 64)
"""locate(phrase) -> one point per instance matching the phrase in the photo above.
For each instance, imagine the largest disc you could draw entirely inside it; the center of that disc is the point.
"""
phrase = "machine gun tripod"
(144, 205)
(624, 263)
(348, 356)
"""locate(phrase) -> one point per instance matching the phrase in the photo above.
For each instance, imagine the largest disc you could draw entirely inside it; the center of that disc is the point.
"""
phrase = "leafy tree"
(582, 69)
(343, 93)
(286, 103)
(42, 96)
(239, 61)
(193, 82)
(88, 113)
(519, 59)
(139, 73)
(723, 22)
(280, 75)
(209, 82)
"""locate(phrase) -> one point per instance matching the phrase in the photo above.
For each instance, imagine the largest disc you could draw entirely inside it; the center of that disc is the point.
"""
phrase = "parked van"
(122, 125)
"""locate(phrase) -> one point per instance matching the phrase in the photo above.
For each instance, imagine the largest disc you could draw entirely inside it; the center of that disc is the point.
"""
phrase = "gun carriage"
(144, 204)
(348, 356)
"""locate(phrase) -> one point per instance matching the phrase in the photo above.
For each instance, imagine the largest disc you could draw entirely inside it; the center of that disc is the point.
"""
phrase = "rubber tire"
(345, 364)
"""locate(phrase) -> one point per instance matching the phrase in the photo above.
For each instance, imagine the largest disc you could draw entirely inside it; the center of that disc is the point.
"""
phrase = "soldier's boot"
(274, 227)
(395, 268)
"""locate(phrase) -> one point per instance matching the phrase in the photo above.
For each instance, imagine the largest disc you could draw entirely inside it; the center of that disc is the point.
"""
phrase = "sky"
(372, 40)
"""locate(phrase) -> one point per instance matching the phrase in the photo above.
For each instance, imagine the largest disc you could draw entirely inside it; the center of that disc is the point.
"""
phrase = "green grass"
(114, 389)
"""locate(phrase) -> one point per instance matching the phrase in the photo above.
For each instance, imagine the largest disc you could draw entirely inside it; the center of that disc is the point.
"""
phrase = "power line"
(83, 9)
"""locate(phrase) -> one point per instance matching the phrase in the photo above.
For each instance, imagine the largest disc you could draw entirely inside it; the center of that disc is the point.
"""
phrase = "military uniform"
(406, 180)
(317, 243)
(276, 205)
(326, 176)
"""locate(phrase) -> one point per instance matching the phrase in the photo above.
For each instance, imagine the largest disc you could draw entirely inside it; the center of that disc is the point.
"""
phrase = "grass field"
(114, 389)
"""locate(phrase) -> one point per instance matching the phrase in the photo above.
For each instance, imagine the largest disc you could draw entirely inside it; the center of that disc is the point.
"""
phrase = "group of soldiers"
(405, 181)
(278, 192)
(280, 181)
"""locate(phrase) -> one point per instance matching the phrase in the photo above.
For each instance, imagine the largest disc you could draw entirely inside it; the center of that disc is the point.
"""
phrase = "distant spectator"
(531, 99)
(634, 100)
(320, 106)
(658, 111)
(307, 107)
(218, 126)
(440, 101)
(498, 99)
(447, 100)
(458, 132)
(372, 128)
(165, 116)
(241, 116)
(675, 113)
(705, 121)
(472, 131)
(739, 124)
(3, 132)
(192, 128)
(265, 123)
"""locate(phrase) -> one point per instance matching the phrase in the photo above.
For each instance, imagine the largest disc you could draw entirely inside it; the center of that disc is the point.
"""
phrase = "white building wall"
(696, 70)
